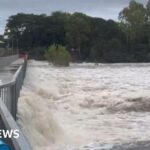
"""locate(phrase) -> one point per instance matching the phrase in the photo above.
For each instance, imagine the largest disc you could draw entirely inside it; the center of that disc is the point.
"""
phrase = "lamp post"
(7, 43)
(12, 42)
(17, 46)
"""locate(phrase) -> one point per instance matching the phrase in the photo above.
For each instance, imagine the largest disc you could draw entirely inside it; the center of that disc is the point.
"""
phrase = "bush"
(58, 55)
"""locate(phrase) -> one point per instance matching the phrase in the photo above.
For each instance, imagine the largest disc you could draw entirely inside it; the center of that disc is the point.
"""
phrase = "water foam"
(69, 107)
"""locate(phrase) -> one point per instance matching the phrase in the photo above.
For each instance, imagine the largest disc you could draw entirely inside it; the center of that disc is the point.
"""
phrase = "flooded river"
(85, 106)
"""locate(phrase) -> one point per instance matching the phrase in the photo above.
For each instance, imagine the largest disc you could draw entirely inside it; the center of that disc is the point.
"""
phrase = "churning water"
(84, 106)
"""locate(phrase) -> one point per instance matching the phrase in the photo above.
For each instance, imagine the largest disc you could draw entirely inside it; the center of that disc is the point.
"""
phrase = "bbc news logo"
(5, 134)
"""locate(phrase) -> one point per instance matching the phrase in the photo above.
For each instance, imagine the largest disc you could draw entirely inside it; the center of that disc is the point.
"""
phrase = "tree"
(132, 20)
(58, 55)
(27, 29)
(102, 33)
(135, 23)
(78, 31)
(148, 24)
(148, 10)
(86, 38)
(57, 25)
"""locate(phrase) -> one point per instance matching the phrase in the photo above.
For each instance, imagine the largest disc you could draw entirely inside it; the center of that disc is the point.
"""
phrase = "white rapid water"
(85, 107)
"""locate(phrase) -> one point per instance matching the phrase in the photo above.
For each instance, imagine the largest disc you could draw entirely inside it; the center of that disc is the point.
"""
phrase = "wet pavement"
(6, 74)
(5, 77)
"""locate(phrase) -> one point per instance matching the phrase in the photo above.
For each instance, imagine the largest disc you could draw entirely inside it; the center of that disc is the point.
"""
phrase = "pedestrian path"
(6, 74)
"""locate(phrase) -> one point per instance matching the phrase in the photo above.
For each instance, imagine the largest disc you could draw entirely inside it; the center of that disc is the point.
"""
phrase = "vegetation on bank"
(85, 38)
(58, 55)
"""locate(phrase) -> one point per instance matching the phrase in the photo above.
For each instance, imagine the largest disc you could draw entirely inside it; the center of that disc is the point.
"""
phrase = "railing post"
(13, 102)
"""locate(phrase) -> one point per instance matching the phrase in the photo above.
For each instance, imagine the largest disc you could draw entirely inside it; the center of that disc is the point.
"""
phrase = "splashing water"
(85, 107)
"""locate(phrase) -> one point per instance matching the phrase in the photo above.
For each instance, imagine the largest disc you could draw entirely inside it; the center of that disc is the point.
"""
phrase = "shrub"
(58, 55)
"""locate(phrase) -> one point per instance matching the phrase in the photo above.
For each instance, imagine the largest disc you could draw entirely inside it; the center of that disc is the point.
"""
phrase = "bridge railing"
(9, 94)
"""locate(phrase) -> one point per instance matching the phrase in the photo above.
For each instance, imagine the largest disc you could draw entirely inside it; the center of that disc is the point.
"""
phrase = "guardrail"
(9, 94)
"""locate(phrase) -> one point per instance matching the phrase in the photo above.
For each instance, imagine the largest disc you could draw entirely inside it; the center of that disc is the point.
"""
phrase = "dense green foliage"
(135, 22)
(86, 38)
(58, 55)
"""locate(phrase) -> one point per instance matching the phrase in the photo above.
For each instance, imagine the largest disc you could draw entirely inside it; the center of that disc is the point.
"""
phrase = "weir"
(9, 93)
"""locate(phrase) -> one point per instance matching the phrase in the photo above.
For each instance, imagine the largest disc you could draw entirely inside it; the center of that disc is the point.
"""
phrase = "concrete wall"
(5, 61)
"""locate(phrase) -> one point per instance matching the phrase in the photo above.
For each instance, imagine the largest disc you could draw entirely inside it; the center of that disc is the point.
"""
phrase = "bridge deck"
(6, 74)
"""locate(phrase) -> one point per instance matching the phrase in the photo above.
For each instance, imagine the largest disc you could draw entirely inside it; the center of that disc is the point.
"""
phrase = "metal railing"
(9, 94)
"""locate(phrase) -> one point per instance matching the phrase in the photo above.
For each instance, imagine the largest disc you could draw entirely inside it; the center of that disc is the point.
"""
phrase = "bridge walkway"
(11, 80)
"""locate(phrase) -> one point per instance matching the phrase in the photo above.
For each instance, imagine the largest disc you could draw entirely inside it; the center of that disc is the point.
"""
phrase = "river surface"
(85, 106)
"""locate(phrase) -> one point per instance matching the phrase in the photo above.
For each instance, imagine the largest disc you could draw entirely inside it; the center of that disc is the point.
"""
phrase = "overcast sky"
(107, 9)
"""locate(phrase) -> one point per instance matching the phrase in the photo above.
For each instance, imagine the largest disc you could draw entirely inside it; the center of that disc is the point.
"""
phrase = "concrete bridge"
(12, 73)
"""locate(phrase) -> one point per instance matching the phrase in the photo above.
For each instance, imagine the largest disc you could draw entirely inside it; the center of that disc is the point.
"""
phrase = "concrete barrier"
(5, 61)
